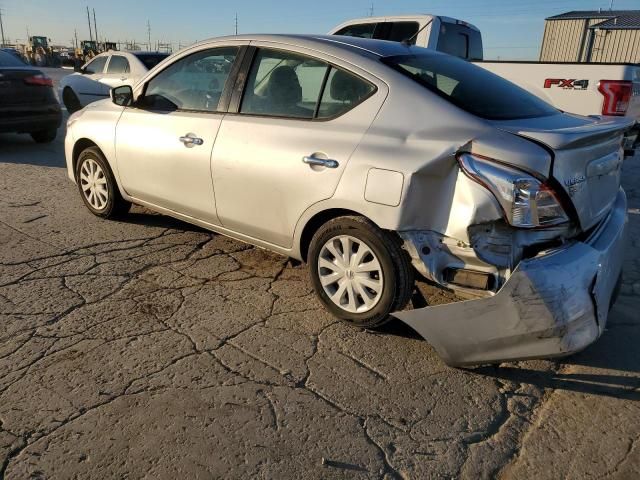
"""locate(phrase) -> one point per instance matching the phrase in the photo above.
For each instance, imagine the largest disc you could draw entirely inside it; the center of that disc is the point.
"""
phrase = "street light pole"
(2, 28)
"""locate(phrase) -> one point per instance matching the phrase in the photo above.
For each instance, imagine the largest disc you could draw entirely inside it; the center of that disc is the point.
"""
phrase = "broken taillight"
(617, 95)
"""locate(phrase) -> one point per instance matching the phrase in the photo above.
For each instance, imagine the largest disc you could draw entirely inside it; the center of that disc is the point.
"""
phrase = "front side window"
(118, 64)
(470, 87)
(363, 30)
(286, 84)
(96, 65)
(195, 82)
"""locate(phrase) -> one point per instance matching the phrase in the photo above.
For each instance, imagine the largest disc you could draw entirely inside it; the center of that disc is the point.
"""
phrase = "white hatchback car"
(372, 160)
(93, 81)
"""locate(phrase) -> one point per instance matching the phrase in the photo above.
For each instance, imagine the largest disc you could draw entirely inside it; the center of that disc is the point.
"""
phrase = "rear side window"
(287, 84)
(470, 88)
(343, 91)
(8, 60)
(460, 41)
(118, 64)
(363, 30)
(96, 65)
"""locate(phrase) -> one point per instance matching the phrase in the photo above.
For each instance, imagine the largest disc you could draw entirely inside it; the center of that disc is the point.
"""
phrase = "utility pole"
(371, 10)
(95, 26)
(89, 20)
(236, 23)
(75, 34)
(611, 5)
(149, 34)
(2, 28)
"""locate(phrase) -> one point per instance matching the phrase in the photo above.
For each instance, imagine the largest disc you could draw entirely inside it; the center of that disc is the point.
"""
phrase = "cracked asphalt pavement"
(149, 348)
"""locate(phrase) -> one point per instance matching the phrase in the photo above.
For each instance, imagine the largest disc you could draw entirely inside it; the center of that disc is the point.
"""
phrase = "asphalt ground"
(149, 348)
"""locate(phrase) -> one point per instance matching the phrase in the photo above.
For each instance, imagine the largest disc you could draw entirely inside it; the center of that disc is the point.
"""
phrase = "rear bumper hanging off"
(554, 304)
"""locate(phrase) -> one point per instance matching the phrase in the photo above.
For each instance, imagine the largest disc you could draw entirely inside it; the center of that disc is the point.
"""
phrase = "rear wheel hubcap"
(350, 274)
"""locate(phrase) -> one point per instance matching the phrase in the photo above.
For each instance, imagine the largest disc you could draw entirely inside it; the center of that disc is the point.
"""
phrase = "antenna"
(236, 23)
(409, 41)
(89, 20)
(95, 25)
(1, 28)
(149, 34)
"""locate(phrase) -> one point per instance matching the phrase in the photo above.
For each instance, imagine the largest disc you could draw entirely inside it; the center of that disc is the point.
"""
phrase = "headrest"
(284, 86)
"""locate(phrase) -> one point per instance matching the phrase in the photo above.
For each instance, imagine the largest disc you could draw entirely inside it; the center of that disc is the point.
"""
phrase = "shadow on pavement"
(141, 216)
(610, 367)
(21, 149)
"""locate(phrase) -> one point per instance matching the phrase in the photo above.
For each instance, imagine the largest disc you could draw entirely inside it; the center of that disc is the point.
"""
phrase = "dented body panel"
(554, 304)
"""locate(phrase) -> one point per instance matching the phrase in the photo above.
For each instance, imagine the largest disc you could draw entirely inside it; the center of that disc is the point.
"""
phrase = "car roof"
(366, 46)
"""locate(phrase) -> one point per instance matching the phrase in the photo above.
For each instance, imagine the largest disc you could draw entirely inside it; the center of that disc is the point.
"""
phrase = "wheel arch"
(317, 220)
(78, 147)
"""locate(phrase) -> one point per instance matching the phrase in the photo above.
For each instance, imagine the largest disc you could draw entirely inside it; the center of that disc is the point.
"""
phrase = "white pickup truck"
(582, 88)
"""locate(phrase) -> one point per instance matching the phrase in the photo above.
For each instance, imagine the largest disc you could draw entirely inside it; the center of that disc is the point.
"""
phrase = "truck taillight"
(617, 94)
(39, 80)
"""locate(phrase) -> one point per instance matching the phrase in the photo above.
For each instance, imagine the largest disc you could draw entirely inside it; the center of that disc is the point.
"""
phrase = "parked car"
(372, 160)
(93, 81)
(27, 101)
(584, 88)
(14, 52)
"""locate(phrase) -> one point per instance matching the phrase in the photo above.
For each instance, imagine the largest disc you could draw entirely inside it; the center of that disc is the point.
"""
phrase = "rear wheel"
(98, 186)
(359, 272)
(70, 100)
(44, 136)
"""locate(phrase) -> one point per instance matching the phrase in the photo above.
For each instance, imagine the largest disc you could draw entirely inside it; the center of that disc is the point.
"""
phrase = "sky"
(511, 29)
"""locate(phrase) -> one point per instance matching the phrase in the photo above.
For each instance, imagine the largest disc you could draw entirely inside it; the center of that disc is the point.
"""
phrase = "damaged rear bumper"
(554, 304)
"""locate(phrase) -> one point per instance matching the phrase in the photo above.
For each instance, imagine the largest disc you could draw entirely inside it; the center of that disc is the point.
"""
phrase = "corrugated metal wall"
(616, 46)
(567, 41)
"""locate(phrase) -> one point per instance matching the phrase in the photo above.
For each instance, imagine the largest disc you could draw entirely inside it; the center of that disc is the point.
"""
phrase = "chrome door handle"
(322, 162)
(190, 140)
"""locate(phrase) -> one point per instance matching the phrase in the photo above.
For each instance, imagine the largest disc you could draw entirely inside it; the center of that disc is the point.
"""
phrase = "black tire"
(44, 136)
(70, 100)
(115, 205)
(396, 267)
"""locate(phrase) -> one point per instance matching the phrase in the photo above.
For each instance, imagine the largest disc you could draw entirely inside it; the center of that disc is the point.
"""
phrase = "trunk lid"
(587, 161)
(14, 90)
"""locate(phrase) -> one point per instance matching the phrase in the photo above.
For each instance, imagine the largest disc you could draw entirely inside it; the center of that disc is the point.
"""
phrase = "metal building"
(592, 36)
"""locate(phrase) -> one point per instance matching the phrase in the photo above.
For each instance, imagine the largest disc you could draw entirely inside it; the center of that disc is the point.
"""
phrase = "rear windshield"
(469, 87)
(150, 60)
(8, 60)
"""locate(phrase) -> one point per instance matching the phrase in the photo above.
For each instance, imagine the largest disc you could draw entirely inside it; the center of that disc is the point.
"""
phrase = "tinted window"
(343, 91)
(96, 65)
(118, 64)
(283, 84)
(195, 82)
(8, 60)
(471, 88)
(150, 60)
(399, 31)
(364, 30)
(460, 41)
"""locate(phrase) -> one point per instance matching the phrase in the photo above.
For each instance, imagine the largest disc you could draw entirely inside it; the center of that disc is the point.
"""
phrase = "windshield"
(469, 87)
(150, 60)
(8, 60)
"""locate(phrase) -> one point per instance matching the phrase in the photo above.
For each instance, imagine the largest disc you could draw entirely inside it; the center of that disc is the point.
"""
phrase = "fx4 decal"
(567, 84)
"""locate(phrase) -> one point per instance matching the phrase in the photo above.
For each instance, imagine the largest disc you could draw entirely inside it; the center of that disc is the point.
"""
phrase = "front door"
(164, 142)
(299, 121)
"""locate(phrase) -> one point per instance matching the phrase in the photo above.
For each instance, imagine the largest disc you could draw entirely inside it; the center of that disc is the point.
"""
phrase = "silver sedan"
(373, 161)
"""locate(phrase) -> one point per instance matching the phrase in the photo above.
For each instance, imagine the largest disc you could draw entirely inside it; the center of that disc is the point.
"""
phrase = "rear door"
(118, 71)
(287, 140)
(87, 85)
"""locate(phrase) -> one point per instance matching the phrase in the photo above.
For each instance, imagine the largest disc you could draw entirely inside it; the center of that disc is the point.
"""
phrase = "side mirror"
(122, 96)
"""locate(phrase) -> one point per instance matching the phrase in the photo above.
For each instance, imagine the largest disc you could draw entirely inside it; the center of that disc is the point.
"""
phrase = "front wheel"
(98, 186)
(359, 272)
